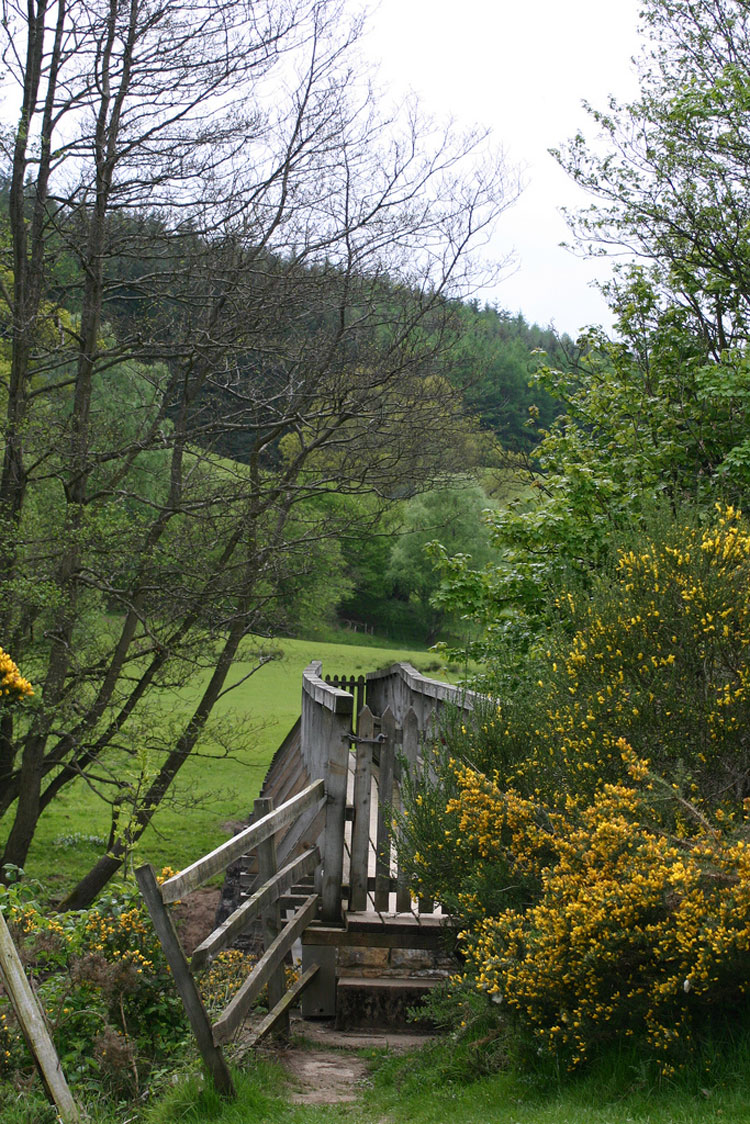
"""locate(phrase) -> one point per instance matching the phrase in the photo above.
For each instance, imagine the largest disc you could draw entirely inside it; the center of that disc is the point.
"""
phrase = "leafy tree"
(452, 514)
(671, 180)
(660, 412)
(220, 170)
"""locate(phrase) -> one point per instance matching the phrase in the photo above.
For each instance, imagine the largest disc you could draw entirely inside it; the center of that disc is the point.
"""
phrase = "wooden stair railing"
(265, 903)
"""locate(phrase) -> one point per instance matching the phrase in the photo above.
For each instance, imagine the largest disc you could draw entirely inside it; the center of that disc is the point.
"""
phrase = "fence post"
(410, 752)
(337, 730)
(328, 728)
(267, 868)
(184, 981)
(385, 811)
(34, 1028)
(362, 805)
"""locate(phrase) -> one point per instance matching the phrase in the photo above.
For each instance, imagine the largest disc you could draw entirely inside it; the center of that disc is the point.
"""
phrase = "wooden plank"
(279, 785)
(289, 747)
(34, 1028)
(184, 982)
(304, 833)
(406, 984)
(237, 1009)
(271, 913)
(327, 936)
(270, 892)
(410, 748)
(370, 922)
(361, 823)
(392, 886)
(385, 811)
(283, 1007)
(336, 733)
(199, 872)
(338, 702)
(430, 688)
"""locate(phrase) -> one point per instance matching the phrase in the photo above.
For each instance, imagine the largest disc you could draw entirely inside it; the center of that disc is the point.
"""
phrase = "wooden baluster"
(184, 981)
(410, 750)
(361, 825)
(385, 800)
(267, 868)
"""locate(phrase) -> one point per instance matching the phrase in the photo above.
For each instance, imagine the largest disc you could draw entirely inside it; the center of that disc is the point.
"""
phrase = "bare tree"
(215, 246)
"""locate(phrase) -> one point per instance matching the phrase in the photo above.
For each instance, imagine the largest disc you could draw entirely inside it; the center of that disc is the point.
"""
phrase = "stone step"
(381, 1002)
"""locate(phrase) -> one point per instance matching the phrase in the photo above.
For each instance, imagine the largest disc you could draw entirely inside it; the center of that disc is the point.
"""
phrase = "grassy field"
(210, 792)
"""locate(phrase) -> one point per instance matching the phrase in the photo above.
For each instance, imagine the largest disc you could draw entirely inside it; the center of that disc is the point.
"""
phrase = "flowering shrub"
(13, 686)
(592, 835)
(659, 655)
(104, 985)
(657, 652)
(634, 934)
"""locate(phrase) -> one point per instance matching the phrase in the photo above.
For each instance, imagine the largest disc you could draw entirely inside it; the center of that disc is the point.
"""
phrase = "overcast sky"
(522, 68)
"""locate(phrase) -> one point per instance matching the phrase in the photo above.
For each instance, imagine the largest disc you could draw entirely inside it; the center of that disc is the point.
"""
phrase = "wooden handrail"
(199, 872)
(423, 685)
(235, 1012)
(268, 893)
(322, 693)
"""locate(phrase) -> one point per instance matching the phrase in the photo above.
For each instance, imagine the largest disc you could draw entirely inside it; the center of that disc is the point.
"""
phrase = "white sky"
(523, 68)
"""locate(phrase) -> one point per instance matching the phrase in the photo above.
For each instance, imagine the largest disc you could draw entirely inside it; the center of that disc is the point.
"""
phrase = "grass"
(209, 793)
(438, 1084)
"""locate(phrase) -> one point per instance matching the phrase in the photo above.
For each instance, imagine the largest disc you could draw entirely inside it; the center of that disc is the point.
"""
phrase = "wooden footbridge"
(318, 857)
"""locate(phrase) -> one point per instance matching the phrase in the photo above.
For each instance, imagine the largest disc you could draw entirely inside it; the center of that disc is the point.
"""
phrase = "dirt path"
(324, 1065)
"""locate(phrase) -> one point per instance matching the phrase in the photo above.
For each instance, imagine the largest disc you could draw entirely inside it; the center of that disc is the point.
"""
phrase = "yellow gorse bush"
(660, 656)
(13, 686)
(599, 832)
(634, 933)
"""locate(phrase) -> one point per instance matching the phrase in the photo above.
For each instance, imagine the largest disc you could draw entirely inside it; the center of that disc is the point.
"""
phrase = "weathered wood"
(385, 811)
(409, 749)
(360, 850)
(34, 1028)
(333, 699)
(199, 872)
(319, 1000)
(393, 886)
(289, 774)
(304, 833)
(184, 981)
(271, 913)
(237, 1009)
(336, 732)
(288, 750)
(369, 921)
(268, 893)
(380, 935)
(418, 685)
(282, 1008)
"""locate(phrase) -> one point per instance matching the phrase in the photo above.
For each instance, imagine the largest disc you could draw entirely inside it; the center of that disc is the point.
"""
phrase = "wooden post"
(34, 1028)
(361, 826)
(337, 728)
(267, 868)
(410, 751)
(385, 811)
(184, 981)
